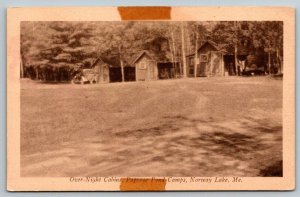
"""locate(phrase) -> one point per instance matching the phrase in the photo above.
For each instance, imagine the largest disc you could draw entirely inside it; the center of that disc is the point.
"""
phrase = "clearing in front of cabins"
(230, 126)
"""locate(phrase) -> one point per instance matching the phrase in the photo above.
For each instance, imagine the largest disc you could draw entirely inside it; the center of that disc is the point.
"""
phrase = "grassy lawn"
(229, 126)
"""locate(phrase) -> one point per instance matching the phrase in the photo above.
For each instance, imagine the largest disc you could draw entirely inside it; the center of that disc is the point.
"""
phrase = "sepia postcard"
(150, 98)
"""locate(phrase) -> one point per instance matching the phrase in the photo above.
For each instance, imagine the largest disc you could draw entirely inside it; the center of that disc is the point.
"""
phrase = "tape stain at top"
(145, 13)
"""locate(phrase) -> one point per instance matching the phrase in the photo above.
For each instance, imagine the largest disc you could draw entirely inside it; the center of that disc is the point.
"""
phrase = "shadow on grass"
(251, 147)
(273, 170)
(231, 145)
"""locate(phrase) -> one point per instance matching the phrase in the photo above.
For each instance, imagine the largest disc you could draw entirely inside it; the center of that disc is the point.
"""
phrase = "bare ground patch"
(193, 127)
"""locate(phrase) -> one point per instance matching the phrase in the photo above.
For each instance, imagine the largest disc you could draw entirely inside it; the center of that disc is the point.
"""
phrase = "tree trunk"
(235, 59)
(183, 51)
(37, 73)
(172, 57)
(122, 70)
(121, 64)
(279, 62)
(174, 49)
(22, 67)
(269, 63)
(196, 55)
(235, 48)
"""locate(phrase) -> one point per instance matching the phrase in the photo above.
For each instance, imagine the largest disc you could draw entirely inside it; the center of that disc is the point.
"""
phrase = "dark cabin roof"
(242, 50)
(214, 45)
(99, 59)
(103, 61)
(140, 55)
(209, 42)
(155, 56)
(130, 59)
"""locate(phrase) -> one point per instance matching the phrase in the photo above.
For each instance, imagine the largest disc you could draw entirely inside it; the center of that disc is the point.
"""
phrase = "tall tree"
(196, 53)
(183, 50)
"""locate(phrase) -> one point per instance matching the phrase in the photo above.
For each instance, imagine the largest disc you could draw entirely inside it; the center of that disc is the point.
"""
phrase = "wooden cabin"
(149, 67)
(210, 61)
(99, 72)
(145, 67)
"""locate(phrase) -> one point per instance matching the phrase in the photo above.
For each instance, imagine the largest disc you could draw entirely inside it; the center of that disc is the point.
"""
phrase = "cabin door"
(105, 74)
(142, 70)
(216, 64)
(204, 65)
(152, 70)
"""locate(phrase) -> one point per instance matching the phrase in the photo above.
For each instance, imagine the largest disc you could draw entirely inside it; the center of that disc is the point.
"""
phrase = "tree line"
(57, 50)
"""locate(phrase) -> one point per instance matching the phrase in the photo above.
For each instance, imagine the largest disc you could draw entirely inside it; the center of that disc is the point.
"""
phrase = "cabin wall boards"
(146, 68)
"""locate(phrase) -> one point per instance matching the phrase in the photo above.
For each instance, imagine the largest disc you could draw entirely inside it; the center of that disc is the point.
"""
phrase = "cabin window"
(203, 58)
(192, 61)
(142, 65)
(191, 71)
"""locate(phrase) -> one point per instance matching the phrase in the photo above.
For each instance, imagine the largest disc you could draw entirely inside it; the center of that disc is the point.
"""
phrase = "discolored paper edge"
(16, 15)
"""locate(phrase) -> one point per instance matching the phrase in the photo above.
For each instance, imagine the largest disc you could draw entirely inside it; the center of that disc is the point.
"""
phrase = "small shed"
(145, 67)
(210, 61)
(100, 70)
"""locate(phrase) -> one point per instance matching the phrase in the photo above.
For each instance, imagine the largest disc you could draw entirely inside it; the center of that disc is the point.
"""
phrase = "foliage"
(77, 44)
(250, 37)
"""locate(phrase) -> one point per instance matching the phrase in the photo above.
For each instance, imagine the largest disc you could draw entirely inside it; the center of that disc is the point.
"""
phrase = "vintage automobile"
(86, 76)
(253, 66)
(253, 70)
(80, 79)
